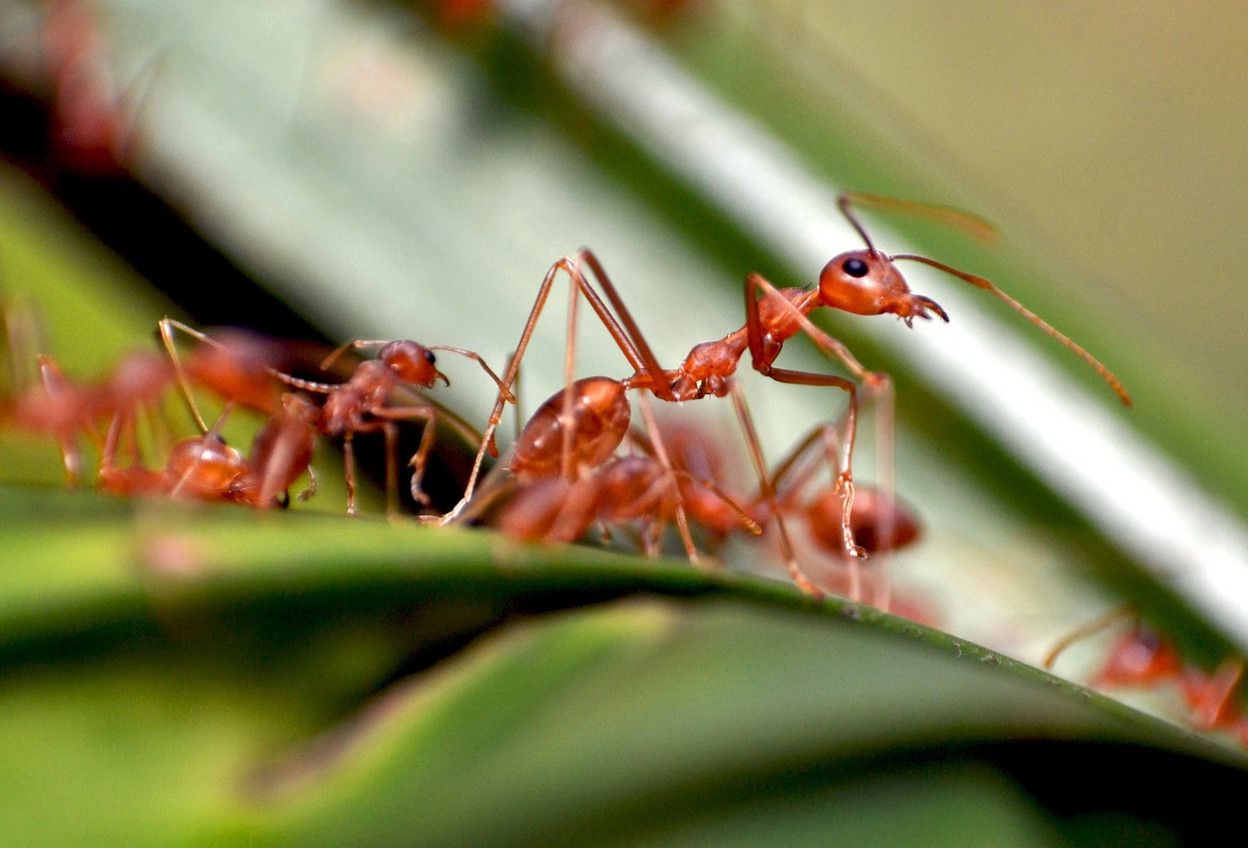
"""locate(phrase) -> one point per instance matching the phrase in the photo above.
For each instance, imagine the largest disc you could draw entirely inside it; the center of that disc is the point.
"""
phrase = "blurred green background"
(390, 171)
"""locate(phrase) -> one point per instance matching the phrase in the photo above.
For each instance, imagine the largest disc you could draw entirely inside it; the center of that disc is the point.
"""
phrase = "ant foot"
(852, 549)
(809, 588)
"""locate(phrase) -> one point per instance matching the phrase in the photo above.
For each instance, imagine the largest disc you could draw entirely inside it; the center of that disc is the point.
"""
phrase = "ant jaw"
(935, 307)
(913, 306)
(438, 375)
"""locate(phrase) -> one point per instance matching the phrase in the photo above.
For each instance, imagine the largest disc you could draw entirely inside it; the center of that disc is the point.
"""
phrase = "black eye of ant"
(855, 267)
(430, 358)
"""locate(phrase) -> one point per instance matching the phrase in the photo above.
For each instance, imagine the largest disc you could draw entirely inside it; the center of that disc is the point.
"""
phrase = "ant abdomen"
(204, 467)
(599, 417)
(868, 516)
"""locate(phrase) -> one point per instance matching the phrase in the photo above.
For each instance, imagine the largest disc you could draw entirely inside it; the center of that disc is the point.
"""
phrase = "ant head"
(411, 362)
(867, 282)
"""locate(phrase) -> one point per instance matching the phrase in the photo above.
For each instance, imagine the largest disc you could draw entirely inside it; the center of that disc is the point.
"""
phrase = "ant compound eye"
(430, 358)
(855, 267)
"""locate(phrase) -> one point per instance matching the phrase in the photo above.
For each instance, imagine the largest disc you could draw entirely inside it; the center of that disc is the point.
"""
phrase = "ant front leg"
(421, 457)
(761, 360)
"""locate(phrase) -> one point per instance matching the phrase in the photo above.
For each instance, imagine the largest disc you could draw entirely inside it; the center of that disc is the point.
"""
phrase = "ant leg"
(1091, 628)
(516, 408)
(1209, 695)
(391, 432)
(427, 438)
(312, 485)
(71, 456)
(112, 441)
(885, 417)
(790, 464)
(826, 343)
(348, 469)
(643, 351)
(875, 382)
(578, 285)
(660, 453)
(569, 375)
(760, 467)
(290, 449)
(167, 326)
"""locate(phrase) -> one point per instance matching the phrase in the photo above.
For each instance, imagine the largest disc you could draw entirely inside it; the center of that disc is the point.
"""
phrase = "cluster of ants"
(564, 474)
(1141, 658)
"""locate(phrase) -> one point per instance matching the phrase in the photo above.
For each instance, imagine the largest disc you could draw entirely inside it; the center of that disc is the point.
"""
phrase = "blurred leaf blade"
(570, 724)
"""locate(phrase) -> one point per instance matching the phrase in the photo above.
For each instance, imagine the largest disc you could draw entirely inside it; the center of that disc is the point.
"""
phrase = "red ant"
(865, 282)
(620, 490)
(360, 405)
(206, 468)
(650, 488)
(65, 409)
(1143, 658)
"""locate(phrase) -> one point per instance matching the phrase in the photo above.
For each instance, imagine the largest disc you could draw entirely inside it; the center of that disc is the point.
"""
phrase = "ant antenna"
(967, 222)
(1093, 627)
(843, 202)
(476, 357)
(1054, 333)
(167, 326)
(981, 229)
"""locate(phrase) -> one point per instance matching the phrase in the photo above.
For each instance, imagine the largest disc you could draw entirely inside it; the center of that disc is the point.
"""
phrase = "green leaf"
(186, 675)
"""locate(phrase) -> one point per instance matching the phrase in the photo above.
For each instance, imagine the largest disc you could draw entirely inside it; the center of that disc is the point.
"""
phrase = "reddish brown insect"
(242, 370)
(879, 524)
(699, 461)
(1142, 658)
(622, 490)
(579, 427)
(865, 282)
(605, 489)
(204, 467)
(66, 410)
